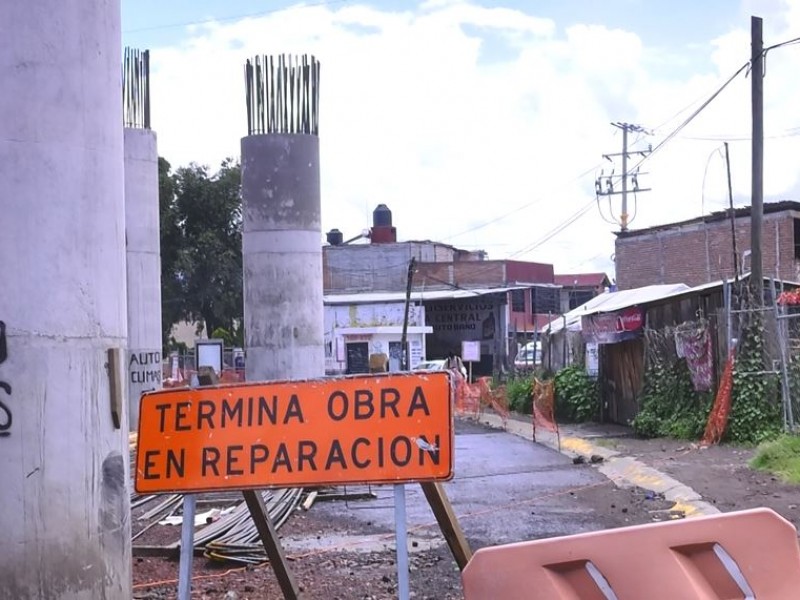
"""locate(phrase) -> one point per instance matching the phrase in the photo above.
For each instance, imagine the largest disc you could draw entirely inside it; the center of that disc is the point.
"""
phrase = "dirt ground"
(348, 572)
(351, 574)
(720, 474)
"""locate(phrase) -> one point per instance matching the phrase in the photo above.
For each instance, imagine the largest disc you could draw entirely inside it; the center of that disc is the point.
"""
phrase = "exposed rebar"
(136, 88)
(282, 94)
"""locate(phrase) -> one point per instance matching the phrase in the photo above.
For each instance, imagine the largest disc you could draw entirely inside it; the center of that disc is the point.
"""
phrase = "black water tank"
(335, 237)
(382, 216)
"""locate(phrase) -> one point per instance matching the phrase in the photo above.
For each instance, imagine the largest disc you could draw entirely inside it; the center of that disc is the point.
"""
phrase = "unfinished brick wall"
(698, 253)
(463, 274)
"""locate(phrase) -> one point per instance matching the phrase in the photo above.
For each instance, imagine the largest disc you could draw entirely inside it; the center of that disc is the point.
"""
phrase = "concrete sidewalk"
(624, 471)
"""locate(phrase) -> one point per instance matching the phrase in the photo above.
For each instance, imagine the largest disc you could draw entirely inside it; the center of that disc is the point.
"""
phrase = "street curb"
(624, 471)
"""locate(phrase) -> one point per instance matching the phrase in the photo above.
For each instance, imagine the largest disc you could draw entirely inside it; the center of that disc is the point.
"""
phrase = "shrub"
(518, 392)
(577, 395)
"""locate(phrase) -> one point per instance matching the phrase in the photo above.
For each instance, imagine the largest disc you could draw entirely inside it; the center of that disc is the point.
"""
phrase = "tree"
(201, 252)
(172, 298)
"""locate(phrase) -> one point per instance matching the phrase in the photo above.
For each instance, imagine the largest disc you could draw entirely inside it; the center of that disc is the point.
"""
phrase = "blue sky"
(661, 22)
(466, 111)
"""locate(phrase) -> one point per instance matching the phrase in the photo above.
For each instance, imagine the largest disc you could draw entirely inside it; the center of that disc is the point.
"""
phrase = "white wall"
(368, 317)
(372, 315)
(143, 246)
(63, 462)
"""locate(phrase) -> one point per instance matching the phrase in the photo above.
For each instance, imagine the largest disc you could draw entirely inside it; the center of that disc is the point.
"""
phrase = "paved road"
(506, 489)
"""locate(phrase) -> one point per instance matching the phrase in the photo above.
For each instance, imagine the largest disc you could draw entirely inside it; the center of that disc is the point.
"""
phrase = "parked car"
(436, 365)
(530, 356)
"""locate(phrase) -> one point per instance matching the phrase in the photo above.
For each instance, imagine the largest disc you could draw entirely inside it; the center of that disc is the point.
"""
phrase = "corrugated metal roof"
(612, 301)
(416, 295)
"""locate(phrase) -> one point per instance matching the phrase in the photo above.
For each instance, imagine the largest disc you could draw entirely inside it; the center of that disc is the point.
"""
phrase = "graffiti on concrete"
(5, 411)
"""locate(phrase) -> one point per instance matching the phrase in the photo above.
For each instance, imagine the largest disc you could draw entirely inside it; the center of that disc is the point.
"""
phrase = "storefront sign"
(471, 351)
(457, 320)
(612, 327)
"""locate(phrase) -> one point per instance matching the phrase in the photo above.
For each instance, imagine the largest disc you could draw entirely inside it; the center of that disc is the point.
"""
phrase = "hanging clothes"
(694, 344)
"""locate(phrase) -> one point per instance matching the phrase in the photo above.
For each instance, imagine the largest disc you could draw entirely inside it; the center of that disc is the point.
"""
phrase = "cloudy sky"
(483, 124)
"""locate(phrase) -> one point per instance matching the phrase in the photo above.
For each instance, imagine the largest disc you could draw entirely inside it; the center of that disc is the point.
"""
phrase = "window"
(517, 301)
(797, 238)
(577, 299)
(545, 300)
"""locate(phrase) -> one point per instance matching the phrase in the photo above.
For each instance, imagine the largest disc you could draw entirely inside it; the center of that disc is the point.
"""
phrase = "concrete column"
(64, 505)
(282, 254)
(143, 244)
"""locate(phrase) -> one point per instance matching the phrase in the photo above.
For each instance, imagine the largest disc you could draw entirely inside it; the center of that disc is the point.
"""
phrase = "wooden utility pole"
(404, 363)
(757, 201)
(733, 216)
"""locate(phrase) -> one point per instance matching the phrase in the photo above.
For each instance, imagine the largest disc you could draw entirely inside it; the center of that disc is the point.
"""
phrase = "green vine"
(577, 395)
(669, 405)
(756, 403)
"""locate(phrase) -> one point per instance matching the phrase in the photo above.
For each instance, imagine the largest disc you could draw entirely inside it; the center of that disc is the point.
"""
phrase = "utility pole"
(404, 337)
(757, 200)
(733, 216)
(604, 185)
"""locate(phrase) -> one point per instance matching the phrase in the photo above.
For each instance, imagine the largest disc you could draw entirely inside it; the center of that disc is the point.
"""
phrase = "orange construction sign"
(386, 428)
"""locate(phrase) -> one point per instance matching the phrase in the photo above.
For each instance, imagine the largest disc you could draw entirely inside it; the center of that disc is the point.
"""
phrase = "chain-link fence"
(786, 319)
(766, 336)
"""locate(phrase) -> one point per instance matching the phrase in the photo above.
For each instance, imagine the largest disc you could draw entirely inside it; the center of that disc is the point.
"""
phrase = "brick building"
(578, 288)
(465, 296)
(700, 250)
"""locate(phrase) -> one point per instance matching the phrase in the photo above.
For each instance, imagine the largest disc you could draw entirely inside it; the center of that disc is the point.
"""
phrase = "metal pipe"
(187, 548)
(401, 537)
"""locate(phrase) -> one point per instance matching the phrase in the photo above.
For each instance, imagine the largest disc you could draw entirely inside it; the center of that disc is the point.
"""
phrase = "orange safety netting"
(468, 398)
(543, 412)
(718, 417)
(184, 378)
(495, 398)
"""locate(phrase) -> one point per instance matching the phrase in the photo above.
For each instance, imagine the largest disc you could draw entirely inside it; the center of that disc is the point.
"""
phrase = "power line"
(519, 208)
(583, 210)
(556, 230)
(722, 137)
(235, 17)
(694, 115)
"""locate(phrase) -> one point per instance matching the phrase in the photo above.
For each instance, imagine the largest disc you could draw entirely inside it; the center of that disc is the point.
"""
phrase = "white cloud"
(422, 110)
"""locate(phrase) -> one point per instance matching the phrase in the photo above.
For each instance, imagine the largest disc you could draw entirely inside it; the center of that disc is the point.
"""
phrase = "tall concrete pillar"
(282, 239)
(64, 504)
(143, 240)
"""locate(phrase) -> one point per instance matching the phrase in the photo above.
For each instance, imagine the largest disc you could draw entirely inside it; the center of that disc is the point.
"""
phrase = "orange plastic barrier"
(733, 556)
(544, 409)
(718, 417)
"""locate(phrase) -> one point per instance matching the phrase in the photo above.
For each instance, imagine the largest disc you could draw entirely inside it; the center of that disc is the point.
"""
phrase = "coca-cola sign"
(611, 327)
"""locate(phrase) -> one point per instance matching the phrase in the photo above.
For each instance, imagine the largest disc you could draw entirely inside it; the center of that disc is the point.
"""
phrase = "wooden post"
(448, 523)
(269, 537)
(757, 197)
